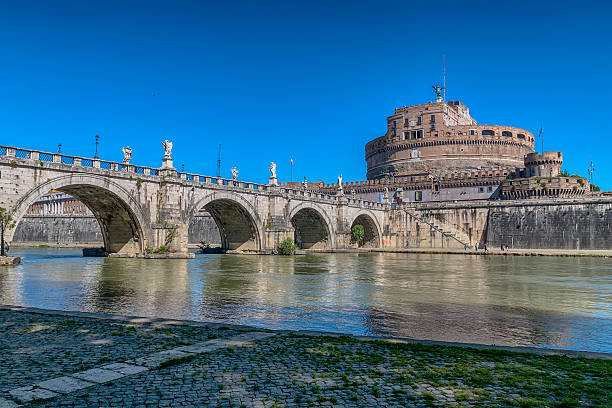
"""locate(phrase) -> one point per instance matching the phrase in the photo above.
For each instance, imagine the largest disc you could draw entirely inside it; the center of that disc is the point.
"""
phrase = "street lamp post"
(590, 171)
(96, 154)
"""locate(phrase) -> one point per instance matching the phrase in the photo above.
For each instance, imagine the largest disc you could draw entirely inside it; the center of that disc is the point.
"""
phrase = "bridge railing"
(78, 161)
(221, 182)
(74, 161)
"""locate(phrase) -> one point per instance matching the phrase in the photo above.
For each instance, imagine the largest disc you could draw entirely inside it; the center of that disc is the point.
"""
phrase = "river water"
(519, 301)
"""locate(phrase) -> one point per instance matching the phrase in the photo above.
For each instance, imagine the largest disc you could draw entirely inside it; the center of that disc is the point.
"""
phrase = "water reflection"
(554, 302)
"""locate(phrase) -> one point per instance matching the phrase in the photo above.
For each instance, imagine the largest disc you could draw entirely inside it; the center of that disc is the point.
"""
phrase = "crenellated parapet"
(547, 164)
(542, 187)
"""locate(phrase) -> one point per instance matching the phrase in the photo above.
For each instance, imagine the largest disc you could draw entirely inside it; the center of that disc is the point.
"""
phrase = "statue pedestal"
(439, 99)
(167, 163)
(273, 181)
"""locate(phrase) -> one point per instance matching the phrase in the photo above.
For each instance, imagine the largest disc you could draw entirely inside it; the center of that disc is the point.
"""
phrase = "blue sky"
(310, 80)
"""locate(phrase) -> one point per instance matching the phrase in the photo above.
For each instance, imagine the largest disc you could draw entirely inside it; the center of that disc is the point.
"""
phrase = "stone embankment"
(9, 261)
(73, 359)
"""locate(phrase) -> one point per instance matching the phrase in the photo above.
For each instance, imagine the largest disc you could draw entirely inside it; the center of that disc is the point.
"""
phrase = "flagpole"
(291, 170)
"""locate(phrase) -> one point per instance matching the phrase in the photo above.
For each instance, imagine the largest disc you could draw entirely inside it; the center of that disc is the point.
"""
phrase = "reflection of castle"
(437, 152)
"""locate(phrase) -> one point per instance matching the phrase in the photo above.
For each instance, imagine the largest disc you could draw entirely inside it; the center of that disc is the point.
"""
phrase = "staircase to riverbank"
(443, 229)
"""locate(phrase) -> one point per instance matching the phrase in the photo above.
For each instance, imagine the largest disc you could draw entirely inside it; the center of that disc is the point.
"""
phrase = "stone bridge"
(146, 210)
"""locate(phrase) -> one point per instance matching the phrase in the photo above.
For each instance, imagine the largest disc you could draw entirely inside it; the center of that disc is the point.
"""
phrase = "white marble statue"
(305, 184)
(386, 195)
(167, 148)
(340, 188)
(272, 170)
(127, 154)
(234, 173)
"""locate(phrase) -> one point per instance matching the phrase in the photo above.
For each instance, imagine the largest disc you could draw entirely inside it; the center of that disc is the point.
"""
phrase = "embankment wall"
(84, 230)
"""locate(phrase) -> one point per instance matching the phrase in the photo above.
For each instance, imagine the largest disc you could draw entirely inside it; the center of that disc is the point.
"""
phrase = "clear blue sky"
(309, 80)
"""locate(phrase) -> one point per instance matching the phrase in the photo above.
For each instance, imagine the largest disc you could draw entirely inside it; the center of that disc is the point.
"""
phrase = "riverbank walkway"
(71, 359)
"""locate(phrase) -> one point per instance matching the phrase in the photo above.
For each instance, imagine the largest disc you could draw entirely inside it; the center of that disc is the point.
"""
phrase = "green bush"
(357, 233)
(286, 247)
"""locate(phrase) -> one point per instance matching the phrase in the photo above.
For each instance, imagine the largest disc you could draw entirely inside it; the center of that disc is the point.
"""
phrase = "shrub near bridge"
(286, 247)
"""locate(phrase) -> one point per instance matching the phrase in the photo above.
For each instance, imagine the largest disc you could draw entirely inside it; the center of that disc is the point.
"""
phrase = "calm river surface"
(527, 301)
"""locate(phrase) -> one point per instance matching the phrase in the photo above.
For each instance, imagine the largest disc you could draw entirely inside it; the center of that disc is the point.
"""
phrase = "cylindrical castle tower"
(547, 164)
(441, 138)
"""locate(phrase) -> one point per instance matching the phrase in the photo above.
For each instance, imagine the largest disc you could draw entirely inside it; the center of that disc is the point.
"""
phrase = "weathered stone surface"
(31, 393)
(98, 375)
(9, 261)
(64, 384)
(4, 403)
(156, 359)
(125, 369)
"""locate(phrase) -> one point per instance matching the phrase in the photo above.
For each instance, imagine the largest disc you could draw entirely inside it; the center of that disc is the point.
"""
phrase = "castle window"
(472, 132)
(418, 196)
(488, 133)
(433, 118)
(481, 190)
(406, 135)
(460, 133)
(419, 120)
(520, 136)
(507, 134)
(433, 126)
(490, 189)
(447, 133)
(406, 122)
(394, 123)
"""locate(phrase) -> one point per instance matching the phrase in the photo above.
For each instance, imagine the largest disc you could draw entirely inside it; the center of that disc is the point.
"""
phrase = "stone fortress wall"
(434, 138)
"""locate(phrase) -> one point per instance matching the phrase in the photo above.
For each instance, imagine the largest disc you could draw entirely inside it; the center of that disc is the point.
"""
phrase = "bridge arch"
(372, 231)
(117, 211)
(239, 225)
(313, 227)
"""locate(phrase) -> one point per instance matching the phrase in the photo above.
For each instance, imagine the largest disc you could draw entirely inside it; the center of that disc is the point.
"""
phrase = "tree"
(357, 233)
(286, 247)
(6, 222)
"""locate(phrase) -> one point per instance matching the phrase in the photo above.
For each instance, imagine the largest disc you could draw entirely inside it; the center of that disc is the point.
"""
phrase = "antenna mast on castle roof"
(444, 76)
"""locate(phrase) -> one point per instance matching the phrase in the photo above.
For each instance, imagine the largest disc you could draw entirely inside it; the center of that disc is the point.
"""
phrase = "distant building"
(56, 203)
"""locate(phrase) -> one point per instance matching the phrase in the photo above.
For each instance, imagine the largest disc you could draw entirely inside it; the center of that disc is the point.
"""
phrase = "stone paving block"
(31, 393)
(4, 403)
(98, 375)
(126, 369)
(64, 384)
(203, 347)
(253, 336)
(156, 359)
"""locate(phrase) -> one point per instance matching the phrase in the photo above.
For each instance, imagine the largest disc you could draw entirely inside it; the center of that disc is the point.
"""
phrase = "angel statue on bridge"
(234, 173)
(127, 154)
(167, 148)
(272, 170)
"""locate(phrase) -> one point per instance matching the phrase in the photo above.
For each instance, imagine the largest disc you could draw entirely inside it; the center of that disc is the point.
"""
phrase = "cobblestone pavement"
(291, 369)
(35, 347)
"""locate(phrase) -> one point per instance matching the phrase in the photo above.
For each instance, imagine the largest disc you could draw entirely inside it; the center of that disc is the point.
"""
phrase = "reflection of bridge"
(141, 208)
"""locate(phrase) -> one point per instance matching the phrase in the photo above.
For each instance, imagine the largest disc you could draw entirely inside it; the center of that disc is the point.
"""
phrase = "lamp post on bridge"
(96, 154)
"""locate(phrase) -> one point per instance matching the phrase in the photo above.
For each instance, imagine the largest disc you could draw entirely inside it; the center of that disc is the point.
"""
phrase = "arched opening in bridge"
(310, 230)
(371, 238)
(80, 215)
(237, 230)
